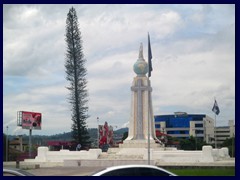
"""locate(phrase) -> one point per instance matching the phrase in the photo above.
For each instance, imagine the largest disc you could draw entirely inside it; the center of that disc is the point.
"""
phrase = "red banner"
(105, 134)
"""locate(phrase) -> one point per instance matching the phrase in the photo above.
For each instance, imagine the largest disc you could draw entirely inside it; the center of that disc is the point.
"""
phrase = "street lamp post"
(7, 145)
(195, 129)
(30, 143)
(114, 136)
(98, 132)
(196, 138)
(233, 145)
(163, 132)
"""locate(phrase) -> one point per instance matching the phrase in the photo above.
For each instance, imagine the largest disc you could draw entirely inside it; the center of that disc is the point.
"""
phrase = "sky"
(193, 49)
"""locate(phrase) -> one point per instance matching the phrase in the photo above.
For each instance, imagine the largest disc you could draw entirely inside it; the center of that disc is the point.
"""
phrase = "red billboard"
(30, 120)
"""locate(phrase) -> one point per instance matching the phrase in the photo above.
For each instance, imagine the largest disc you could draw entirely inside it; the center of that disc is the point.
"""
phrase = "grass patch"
(230, 171)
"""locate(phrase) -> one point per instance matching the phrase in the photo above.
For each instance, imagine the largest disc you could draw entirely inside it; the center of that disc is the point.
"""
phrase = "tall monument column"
(141, 108)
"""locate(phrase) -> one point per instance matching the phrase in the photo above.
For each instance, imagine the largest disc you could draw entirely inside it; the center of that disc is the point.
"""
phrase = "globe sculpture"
(140, 67)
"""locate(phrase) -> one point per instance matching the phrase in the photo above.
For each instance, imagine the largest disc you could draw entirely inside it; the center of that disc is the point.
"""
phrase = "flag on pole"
(149, 57)
(215, 108)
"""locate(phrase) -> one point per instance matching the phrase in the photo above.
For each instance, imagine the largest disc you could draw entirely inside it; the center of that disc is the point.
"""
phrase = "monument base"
(139, 144)
(161, 155)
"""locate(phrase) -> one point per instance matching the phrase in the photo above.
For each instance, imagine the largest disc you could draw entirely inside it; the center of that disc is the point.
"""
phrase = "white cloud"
(193, 60)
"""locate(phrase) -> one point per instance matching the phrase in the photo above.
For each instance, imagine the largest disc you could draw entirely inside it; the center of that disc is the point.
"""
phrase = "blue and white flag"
(215, 108)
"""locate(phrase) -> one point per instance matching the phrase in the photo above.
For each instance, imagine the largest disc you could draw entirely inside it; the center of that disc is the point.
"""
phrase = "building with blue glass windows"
(183, 125)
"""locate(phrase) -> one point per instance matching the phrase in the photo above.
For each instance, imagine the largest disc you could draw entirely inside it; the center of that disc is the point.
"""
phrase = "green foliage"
(171, 138)
(187, 144)
(230, 144)
(4, 147)
(76, 76)
(43, 139)
(172, 141)
(34, 148)
(192, 143)
(125, 135)
(121, 131)
(204, 171)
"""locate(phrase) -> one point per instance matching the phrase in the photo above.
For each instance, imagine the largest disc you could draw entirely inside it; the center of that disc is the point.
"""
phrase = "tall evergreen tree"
(76, 76)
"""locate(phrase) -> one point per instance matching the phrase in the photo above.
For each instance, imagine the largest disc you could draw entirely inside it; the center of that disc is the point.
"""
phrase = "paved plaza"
(64, 171)
(86, 171)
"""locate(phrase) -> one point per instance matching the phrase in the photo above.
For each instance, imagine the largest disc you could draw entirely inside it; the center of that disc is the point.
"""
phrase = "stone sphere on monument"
(140, 67)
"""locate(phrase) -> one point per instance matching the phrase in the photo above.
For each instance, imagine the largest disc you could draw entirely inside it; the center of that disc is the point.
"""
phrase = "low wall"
(220, 154)
(171, 156)
(104, 162)
(44, 155)
(208, 154)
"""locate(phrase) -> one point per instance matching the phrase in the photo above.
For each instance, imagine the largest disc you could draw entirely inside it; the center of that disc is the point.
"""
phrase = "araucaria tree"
(76, 76)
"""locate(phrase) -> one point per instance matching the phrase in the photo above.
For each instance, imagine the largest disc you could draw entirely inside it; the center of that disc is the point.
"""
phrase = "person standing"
(78, 147)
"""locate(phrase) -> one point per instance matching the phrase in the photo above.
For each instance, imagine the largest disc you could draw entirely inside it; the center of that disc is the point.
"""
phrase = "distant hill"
(121, 131)
(66, 136)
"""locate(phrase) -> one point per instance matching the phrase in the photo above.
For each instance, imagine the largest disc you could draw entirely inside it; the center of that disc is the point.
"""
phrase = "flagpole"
(215, 129)
(215, 126)
(149, 102)
(149, 123)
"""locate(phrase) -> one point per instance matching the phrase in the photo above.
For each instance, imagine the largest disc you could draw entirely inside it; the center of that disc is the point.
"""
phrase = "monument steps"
(113, 156)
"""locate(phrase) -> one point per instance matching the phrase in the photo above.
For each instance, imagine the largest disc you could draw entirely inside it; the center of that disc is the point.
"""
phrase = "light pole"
(163, 131)
(98, 132)
(233, 145)
(30, 142)
(195, 129)
(7, 145)
(196, 138)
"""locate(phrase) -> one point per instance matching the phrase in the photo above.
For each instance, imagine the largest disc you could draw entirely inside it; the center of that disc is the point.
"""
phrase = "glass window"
(122, 172)
(199, 131)
(151, 172)
(138, 171)
(178, 132)
(157, 126)
(198, 125)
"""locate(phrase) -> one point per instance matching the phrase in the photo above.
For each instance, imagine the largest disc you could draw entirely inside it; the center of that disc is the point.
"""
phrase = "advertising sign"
(31, 120)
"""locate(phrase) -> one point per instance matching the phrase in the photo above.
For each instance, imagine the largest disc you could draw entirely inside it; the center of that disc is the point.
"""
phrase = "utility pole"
(7, 145)
(233, 145)
(196, 138)
(148, 141)
(30, 142)
(98, 132)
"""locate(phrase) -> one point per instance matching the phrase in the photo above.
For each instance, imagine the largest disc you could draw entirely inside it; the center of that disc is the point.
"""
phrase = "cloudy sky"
(193, 49)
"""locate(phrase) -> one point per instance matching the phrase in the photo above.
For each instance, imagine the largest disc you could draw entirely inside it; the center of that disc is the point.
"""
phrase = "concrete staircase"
(112, 158)
(115, 156)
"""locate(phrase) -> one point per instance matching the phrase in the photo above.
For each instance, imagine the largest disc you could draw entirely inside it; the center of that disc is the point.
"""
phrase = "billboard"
(29, 120)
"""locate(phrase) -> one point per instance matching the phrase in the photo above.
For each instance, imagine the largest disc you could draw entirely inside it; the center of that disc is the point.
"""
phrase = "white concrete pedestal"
(139, 144)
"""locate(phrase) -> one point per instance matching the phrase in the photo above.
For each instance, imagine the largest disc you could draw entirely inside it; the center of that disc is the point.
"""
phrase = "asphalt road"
(64, 171)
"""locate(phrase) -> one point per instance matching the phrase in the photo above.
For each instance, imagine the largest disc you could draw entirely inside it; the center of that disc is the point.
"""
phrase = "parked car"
(133, 170)
(15, 172)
